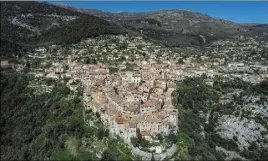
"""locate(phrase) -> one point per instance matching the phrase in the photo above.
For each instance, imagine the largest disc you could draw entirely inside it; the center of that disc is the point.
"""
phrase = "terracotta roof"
(163, 115)
(119, 120)
(147, 103)
(149, 118)
(100, 82)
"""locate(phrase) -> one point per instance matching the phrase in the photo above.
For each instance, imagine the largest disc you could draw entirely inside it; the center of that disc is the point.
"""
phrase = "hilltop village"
(163, 85)
(129, 96)
(130, 82)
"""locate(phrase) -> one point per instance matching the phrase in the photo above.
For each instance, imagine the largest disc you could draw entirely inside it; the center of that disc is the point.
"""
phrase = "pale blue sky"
(242, 12)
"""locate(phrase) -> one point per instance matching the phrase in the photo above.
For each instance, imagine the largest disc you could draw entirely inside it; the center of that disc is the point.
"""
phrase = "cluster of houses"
(137, 98)
(243, 57)
(128, 100)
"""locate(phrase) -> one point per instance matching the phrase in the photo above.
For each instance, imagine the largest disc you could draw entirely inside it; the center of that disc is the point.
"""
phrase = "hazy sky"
(242, 12)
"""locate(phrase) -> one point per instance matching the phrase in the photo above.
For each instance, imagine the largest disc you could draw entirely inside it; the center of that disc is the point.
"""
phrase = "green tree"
(152, 158)
(95, 61)
(87, 60)
(135, 141)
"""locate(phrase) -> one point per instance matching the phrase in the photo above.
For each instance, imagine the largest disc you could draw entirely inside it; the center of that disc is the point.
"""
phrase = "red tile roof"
(119, 120)
(101, 82)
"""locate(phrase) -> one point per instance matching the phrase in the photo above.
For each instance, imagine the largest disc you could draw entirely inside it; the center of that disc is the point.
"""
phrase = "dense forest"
(49, 125)
(36, 126)
(82, 27)
(28, 24)
(10, 49)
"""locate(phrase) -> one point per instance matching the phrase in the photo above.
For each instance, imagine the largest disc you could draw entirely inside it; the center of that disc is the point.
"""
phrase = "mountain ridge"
(44, 23)
(177, 27)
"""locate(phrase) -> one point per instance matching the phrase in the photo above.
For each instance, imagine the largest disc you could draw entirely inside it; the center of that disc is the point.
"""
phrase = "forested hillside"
(29, 24)
(9, 49)
(36, 126)
(49, 125)
(201, 120)
(80, 28)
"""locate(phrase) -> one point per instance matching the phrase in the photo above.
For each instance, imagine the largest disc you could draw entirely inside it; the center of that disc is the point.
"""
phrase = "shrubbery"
(37, 127)
(194, 97)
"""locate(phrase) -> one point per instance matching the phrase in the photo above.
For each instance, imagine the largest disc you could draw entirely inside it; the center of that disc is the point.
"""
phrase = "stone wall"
(147, 156)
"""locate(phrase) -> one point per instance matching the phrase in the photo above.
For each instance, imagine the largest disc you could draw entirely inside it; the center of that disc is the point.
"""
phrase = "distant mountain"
(27, 24)
(36, 23)
(179, 27)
